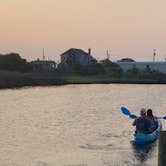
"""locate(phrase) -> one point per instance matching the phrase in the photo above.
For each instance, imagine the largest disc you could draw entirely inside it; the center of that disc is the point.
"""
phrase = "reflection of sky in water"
(75, 125)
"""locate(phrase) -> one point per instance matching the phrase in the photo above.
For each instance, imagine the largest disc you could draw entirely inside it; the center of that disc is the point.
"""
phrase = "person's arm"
(134, 123)
(150, 125)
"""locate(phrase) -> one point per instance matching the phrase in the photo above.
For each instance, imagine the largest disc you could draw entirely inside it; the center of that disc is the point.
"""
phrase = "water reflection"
(143, 152)
(75, 125)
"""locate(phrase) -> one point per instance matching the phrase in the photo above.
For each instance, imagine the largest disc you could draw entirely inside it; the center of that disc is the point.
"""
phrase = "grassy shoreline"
(106, 80)
(18, 80)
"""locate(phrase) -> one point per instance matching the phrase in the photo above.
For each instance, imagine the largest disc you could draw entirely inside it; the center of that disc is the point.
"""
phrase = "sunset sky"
(128, 28)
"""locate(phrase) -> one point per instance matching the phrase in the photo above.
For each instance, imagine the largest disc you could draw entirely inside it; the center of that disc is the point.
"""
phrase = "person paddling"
(142, 123)
(153, 120)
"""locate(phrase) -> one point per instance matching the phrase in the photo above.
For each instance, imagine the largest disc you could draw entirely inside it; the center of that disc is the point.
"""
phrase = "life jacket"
(142, 125)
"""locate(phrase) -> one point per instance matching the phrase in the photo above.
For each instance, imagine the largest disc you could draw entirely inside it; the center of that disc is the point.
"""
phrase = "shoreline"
(18, 86)
(12, 80)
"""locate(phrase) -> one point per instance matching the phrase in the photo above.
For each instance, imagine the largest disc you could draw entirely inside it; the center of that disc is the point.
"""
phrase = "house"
(158, 66)
(75, 56)
(44, 65)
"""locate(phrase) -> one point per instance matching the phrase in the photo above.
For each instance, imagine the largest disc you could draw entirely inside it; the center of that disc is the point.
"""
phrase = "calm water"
(76, 125)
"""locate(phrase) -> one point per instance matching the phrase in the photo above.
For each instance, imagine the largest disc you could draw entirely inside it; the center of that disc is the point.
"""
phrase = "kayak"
(141, 138)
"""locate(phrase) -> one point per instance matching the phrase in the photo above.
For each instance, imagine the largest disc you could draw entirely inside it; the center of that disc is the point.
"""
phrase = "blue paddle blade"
(164, 117)
(125, 111)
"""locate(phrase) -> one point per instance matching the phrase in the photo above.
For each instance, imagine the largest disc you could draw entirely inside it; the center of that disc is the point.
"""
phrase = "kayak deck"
(141, 138)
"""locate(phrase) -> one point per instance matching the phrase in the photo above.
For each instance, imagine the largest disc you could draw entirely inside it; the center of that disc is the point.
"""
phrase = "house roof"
(74, 51)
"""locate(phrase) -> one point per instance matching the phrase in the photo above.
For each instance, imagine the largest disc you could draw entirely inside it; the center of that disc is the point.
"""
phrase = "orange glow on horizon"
(129, 28)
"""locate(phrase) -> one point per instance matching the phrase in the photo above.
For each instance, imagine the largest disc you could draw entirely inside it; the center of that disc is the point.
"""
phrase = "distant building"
(158, 66)
(76, 56)
(126, 60)
(44, 65)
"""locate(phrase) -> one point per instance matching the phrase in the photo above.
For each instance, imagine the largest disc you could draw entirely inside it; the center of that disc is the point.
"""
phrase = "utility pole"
(154, 54)
(43, 55)
(108, 55)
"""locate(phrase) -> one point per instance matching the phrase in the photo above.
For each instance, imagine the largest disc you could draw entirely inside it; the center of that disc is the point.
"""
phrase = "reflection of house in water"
(44, 65)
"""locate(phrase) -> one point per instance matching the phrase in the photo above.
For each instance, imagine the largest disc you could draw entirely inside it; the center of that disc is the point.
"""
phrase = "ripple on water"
(96, 147)
(42, 163)
(107, 147)
(76, 165)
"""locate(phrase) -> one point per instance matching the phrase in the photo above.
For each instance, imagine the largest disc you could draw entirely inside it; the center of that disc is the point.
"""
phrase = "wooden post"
(162, 149)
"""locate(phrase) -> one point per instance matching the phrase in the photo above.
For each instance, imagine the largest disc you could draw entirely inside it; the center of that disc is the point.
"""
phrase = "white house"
(159, 66)
(76, 56)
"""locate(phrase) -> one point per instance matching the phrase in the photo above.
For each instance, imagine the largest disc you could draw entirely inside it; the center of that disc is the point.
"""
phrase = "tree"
(14, 62)
(111, 68)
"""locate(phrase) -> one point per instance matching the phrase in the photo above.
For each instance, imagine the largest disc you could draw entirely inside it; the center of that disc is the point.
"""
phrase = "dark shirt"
(142, 125)
(153, 122)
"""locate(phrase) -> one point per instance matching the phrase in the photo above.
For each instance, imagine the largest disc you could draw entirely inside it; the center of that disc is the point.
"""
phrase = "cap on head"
(142, 111)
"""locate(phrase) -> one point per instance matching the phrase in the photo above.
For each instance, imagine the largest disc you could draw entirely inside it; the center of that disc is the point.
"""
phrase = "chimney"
(89, 52)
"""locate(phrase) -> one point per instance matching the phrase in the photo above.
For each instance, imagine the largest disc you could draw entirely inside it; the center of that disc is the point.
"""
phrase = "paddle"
(126, 112)
(162, 117)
